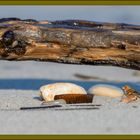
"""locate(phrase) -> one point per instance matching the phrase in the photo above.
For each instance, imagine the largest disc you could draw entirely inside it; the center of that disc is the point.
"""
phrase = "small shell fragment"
(130, 94)
(106, 90)
(55, 102)
(47, 92)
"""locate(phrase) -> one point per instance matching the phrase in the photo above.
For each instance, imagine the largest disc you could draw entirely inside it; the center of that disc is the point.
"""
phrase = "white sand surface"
(19, 84)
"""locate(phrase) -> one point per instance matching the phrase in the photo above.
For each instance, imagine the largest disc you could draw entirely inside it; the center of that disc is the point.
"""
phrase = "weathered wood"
(71, 41)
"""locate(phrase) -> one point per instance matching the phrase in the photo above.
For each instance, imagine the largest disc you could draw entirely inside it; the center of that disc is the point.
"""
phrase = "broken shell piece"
(106, 90)
(75, 98)
(48, 92)
(130, 94)
(55, 102)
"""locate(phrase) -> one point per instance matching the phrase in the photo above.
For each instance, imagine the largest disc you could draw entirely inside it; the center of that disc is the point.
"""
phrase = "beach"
(20, 82)
(19, 87)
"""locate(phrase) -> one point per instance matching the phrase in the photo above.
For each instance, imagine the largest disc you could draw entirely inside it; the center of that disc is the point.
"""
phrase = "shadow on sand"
(35, 84)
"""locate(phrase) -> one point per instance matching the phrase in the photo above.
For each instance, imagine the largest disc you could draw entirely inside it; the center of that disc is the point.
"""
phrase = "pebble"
(47, 92)
(106, 90)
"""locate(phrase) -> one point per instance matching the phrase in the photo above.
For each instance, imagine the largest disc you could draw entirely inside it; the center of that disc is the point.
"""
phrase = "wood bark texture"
(70, 41)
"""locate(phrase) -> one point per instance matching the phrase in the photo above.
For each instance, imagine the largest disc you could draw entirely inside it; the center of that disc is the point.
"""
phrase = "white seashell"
(47, 92)
(106, 90)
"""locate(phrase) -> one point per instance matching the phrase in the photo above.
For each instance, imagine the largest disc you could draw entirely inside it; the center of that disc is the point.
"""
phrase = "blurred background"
(23, 72)
(128, 14)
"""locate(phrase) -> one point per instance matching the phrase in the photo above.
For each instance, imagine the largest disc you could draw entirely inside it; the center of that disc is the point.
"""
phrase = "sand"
(19, 84)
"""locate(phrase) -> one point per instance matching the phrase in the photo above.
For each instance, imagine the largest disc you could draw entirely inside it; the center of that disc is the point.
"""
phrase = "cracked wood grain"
(70, 41)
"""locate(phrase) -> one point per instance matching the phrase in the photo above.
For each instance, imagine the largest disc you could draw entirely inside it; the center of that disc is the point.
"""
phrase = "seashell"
(130, 94)
(47, 92)
(75, 98)
(55, 102)
(106, 90)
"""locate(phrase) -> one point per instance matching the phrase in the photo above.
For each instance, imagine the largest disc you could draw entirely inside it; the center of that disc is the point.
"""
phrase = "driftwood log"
(70, 41)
